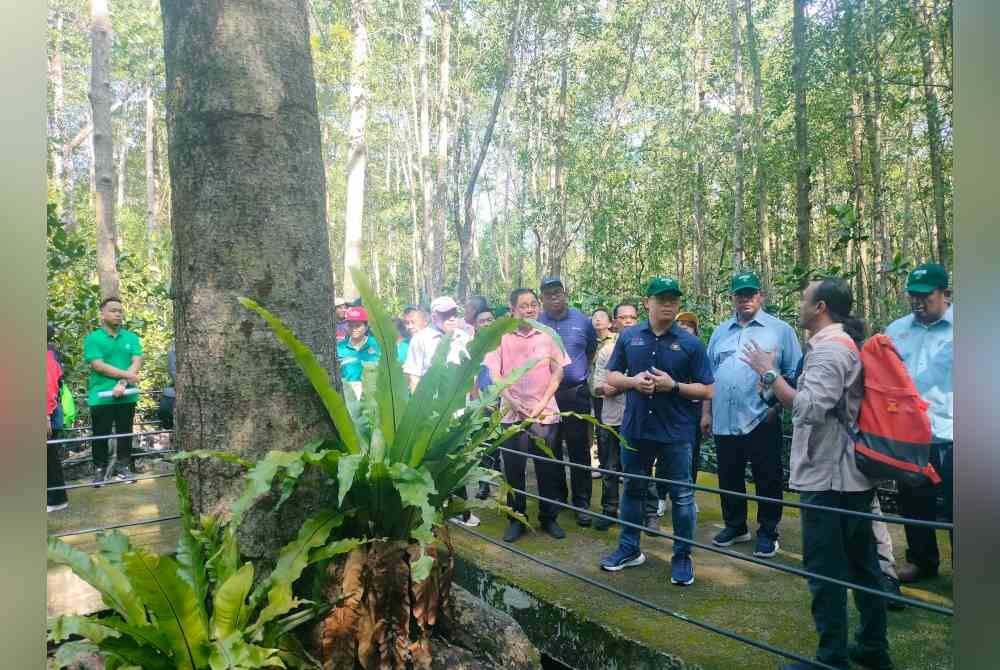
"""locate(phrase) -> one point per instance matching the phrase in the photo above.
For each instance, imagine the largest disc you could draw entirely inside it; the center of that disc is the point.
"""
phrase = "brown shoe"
(912, 573)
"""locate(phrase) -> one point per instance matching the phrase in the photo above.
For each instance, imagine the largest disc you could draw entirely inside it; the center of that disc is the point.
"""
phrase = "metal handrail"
(95, 529)
(91, 438)
(746, 496)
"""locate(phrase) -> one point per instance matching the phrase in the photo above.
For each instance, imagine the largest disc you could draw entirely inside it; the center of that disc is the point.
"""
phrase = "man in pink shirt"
(531, 397)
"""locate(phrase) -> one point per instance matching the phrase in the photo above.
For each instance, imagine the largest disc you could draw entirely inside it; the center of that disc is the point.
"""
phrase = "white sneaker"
(661, 507)
(56, 508)
(471, 522)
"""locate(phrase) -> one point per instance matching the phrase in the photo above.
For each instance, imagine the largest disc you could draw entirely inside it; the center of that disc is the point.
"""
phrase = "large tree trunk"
(800, 66)
(760, 165)
(738, 236)
(439, 231)
(357, 152)
(928, 59)
(103, 163)
(248, 218)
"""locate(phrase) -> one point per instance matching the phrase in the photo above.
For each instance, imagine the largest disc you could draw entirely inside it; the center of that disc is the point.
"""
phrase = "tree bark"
(872, 98)
(760, 165)
(121, 177)
(103, 164)
(738, 236)
(248, 219)
(425, 143)
(152, 198)
(699, 179)
(928, 59)
(857, 249)
(357, 152)
(61, 166)
(444, 115)
(800, 66)
(468, 230)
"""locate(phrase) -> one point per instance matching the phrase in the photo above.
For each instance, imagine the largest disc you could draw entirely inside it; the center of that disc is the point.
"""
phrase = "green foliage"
(193, 612)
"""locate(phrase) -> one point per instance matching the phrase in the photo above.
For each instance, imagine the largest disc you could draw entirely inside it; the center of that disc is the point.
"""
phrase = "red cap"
(356, 314)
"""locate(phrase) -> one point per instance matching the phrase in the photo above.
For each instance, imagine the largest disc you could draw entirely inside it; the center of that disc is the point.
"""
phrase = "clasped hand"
(653, 381)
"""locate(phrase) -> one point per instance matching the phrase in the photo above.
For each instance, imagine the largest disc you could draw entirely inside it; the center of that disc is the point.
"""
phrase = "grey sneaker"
(730, 536)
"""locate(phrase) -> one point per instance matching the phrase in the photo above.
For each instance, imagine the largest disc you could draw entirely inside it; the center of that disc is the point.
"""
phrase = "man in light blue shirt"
(744, 426)
(925, 341)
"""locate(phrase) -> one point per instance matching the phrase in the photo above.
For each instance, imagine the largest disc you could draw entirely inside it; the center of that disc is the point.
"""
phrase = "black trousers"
(762, 447)
(54, 473)
(573, 440)
(547, 475)
(921, 503)
(108, 420)
(165, 412)
(842, 547)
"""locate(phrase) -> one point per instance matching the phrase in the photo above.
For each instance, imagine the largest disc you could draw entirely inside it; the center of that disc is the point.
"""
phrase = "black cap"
(549, 282)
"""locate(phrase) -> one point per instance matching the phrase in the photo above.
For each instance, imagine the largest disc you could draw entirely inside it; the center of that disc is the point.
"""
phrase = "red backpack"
(893, 438)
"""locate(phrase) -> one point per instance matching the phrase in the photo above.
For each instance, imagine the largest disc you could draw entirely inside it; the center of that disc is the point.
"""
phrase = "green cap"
(745, 280)
(658, 285)
(927, 277)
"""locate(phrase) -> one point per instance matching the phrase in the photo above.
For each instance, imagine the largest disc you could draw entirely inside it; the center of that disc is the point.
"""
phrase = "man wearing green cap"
(661, 367)
(744, 426)
(924, 339)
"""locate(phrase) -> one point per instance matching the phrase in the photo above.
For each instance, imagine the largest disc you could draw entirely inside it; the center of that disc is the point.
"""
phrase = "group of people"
(655, 384)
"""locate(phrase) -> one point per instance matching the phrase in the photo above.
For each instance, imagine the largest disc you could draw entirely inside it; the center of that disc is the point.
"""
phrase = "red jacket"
(52, 374)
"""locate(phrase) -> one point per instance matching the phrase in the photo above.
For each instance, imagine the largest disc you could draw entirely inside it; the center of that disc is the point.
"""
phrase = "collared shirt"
(424, 343)
(736, 406)
(352, 358)
(662, 417)
(579, 338)
(828, 396)
(613, 407)
(341, 330)
(928, 353)
(517, 349)
(117, 351)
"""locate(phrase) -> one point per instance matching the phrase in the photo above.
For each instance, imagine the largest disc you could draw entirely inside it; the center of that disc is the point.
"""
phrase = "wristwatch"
(676, 388)
(769, 377)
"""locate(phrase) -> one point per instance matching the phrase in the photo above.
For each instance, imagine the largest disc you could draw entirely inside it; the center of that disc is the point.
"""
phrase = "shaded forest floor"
(754, 601)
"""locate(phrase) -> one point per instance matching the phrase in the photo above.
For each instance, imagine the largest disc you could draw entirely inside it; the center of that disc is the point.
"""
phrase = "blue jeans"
(674, 461)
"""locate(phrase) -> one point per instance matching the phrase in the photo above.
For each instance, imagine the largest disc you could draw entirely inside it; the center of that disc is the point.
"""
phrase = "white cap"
(444, 304)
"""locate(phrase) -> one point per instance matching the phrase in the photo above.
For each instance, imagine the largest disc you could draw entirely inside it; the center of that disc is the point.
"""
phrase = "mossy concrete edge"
(559, 632)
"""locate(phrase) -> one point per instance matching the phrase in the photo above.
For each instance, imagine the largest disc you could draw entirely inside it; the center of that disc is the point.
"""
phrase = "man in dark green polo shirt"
(115, 356)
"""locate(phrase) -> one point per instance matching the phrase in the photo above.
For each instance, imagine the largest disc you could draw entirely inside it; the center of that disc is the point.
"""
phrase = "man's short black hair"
(518, 292)
(600, 308)
(112, 298)
(625, 303)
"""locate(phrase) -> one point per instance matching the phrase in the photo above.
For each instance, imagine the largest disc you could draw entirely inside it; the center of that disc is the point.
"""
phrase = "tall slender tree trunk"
(60, 157)
(468, 229)
(699, 180)
(738, 234)
(557, 240)
(928, 59)
(800, 67)
(357, 152)
(439, 230)
(248, 217)
(760, 164)
(873, 132)
(103, 163)
(857, 249)
(152, 197)
(425, 146)
(121, 175)
(909, 232)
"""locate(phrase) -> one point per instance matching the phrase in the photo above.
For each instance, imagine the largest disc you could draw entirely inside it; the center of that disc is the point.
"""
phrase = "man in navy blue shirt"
(580, 339)
(663, 368)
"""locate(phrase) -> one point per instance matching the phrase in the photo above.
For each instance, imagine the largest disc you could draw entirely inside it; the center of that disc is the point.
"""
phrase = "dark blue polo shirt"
(579, 338)
(664, 417)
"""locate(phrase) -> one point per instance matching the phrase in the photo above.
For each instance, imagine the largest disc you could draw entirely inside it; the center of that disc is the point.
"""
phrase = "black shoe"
(552, 528)
(515, 529)
(652, 523)
(484, 491)
(582, 520)
(604, 524)
(872, 660)
(890, 585)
